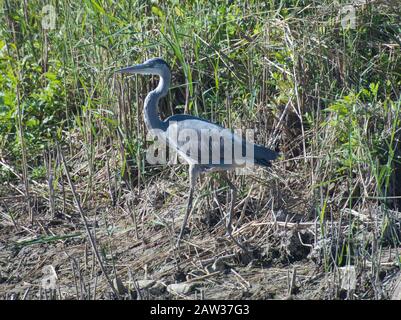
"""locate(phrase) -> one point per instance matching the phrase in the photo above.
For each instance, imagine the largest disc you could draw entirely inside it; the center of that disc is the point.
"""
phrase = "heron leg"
(193, 175)
(233, 191)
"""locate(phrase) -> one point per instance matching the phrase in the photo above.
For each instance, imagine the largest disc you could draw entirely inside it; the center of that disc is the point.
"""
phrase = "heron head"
(152, 66)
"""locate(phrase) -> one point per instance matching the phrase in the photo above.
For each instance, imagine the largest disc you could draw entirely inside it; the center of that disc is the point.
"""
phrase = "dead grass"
(135, 241)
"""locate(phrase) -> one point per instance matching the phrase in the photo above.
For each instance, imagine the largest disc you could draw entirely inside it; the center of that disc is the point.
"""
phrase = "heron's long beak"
(134, 69)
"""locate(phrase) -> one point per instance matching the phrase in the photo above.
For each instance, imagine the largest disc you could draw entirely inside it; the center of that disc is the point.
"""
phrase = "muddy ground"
(51, 257)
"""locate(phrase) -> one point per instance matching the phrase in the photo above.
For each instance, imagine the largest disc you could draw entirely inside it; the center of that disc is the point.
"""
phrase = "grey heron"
(178, 123)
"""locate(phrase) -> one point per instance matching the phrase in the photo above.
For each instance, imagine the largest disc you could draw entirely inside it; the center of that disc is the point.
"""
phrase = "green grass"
(330, 95)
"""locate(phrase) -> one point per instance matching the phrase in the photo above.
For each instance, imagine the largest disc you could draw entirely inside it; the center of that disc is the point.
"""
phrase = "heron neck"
(151, 113)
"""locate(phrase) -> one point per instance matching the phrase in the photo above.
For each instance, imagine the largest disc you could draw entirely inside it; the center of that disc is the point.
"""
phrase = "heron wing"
(203, 142)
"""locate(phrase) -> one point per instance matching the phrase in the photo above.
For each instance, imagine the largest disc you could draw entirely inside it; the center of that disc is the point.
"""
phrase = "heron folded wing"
(202, 142)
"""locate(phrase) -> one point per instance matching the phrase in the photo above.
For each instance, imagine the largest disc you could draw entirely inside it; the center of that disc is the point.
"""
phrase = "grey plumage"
(178, 124)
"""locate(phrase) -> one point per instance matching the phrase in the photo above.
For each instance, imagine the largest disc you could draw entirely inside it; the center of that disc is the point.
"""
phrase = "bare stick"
(230, 215)
(91, 240)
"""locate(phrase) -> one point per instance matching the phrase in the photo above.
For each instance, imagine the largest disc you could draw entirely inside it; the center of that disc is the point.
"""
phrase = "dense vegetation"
(321, 88)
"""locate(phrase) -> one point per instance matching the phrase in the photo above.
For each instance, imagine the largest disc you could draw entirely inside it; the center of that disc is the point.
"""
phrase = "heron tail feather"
(264, 155)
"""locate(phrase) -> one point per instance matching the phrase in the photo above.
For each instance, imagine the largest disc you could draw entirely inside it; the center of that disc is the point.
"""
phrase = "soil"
(135, 239)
